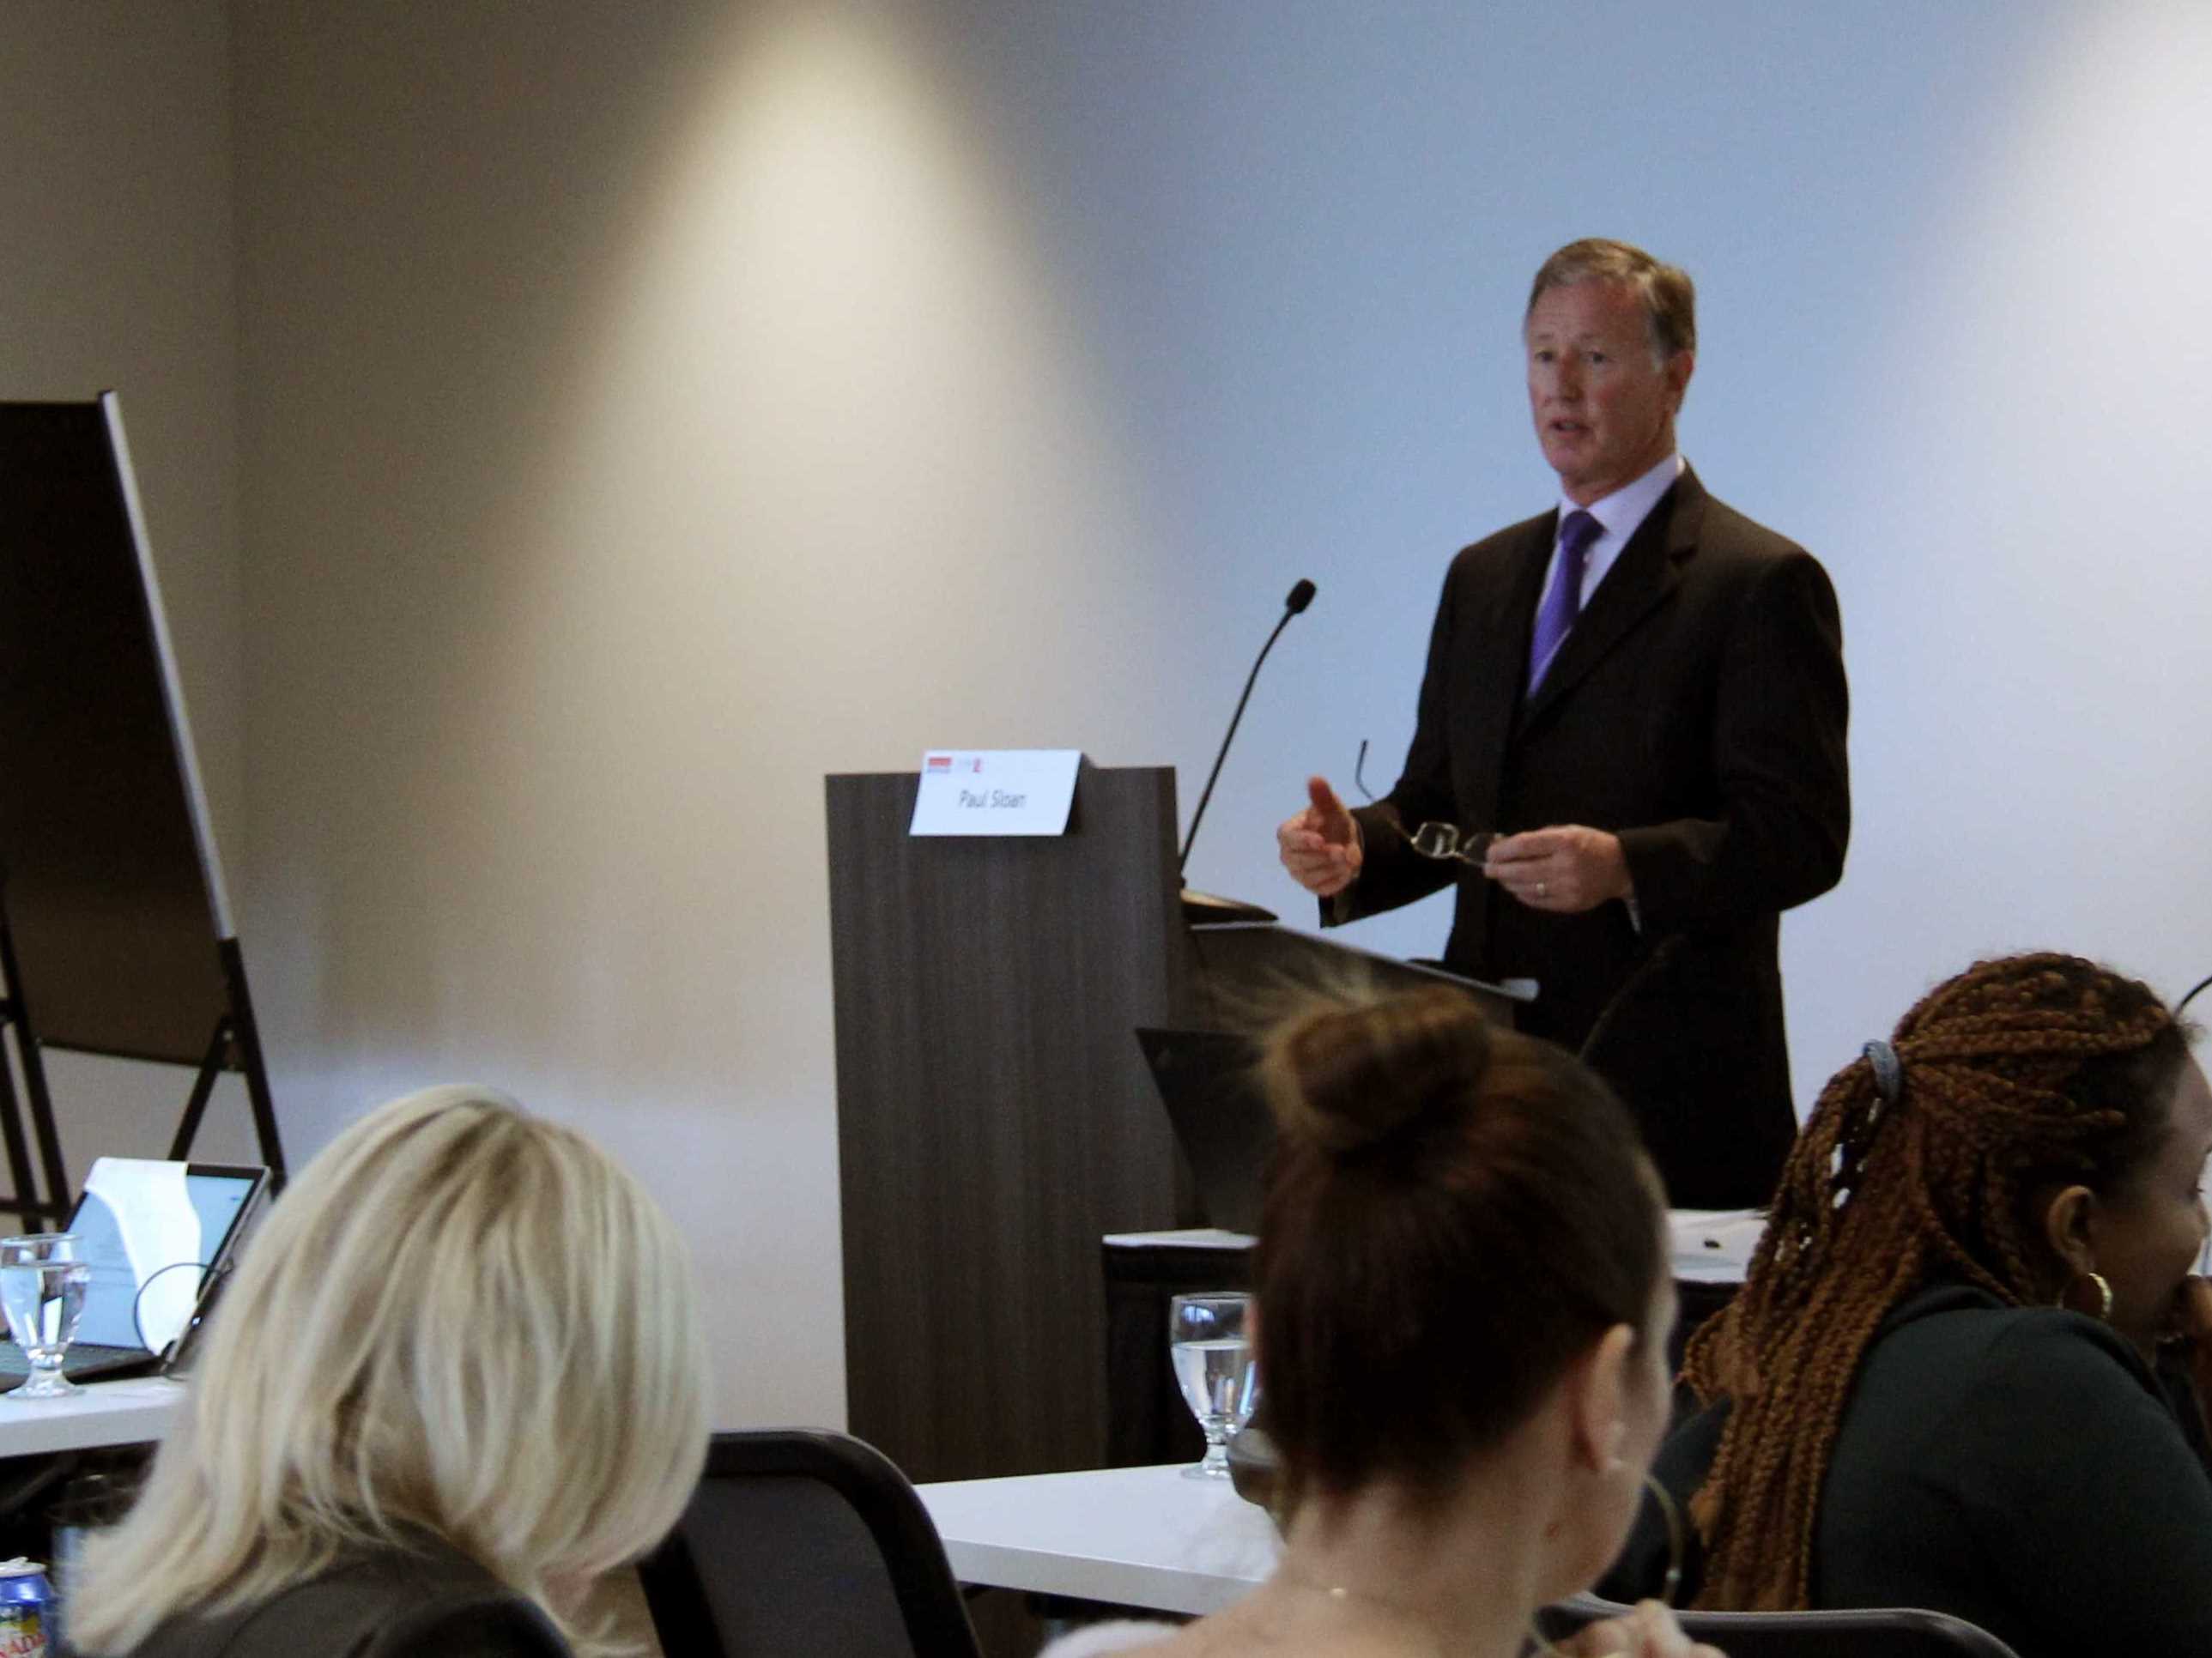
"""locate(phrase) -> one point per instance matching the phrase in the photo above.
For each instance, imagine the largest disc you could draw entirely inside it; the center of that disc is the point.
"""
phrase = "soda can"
(26, 1609)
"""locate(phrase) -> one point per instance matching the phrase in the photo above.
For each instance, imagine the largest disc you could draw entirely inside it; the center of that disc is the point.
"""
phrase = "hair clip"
(1888, 1071)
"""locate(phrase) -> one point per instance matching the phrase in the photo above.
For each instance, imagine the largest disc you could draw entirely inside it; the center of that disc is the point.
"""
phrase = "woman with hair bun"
(457, 1379)
(1942, 1383)
(1462, 1314)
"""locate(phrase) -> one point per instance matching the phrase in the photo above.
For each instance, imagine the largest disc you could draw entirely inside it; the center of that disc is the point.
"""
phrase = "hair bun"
(1346, 1075)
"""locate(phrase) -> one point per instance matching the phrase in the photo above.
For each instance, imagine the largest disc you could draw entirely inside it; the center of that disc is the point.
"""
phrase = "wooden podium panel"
(995, 1114)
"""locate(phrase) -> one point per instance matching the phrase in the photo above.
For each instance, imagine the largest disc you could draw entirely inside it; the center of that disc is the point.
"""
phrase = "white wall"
(116, 272)
(1947, 260)
(644, 410)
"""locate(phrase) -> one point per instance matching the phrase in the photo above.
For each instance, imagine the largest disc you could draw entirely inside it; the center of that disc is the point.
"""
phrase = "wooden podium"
(995, 1118)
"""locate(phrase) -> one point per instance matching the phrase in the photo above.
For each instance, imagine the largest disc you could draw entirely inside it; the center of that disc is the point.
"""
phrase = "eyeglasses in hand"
(1442, 841)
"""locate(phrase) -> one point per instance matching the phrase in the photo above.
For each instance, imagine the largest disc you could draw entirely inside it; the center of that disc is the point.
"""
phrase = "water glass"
(1209, 1340)
(42, 1285)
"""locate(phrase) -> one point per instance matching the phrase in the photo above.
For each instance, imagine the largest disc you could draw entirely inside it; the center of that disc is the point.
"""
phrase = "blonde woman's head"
(461, 1321)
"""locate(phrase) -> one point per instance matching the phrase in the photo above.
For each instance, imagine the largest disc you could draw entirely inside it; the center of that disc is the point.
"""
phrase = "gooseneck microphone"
(1300, 597)
(1592, 1051)
(2182, 1006)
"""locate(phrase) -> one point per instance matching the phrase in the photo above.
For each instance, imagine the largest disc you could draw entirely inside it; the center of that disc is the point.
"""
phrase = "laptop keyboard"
(83, 1356)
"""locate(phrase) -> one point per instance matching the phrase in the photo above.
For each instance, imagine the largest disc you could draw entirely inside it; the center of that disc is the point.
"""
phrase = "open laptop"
(154, 1233)
(1221, 1120)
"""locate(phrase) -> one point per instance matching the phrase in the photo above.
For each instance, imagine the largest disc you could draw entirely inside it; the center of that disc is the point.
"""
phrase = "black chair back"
(804, 1541)
(1889, 1632)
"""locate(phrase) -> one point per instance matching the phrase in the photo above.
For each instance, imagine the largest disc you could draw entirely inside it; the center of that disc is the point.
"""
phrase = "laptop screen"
(139, 1217)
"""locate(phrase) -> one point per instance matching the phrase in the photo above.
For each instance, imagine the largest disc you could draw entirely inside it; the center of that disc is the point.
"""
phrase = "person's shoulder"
(440, 1603)
(1500, 544)
(432, 1602)
(492, 1624)
(1979, 1345)
(1101, 1638)
(2052, 1343)
(1731, 536)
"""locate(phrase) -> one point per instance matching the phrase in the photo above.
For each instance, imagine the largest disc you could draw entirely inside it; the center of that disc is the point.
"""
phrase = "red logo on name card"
(939, 763)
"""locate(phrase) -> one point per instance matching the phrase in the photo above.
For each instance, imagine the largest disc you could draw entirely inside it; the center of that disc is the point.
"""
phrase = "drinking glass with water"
(1209, 1340)
(42, 1284)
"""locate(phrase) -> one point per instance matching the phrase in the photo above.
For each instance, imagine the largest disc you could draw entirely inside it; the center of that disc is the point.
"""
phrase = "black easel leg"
(42, 1126)
(250, 1060)
(188, 1126)
(28, 1211)
(236, 1042)
(34, 1081)
(264, 1127)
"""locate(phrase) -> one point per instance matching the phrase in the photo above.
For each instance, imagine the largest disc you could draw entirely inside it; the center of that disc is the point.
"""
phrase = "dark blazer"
(433, 1603)
(1698, 710)
(2017, 1467)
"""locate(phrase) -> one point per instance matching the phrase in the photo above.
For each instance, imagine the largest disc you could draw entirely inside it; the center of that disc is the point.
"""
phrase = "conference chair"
(804, 1541)
(1889, 1632)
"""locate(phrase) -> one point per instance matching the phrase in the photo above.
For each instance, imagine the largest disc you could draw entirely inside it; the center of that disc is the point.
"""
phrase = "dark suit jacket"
(431, 1603)
(1698, 710)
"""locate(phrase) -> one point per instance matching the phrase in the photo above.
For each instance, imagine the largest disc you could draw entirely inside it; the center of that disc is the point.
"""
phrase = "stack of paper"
(1714, 1246)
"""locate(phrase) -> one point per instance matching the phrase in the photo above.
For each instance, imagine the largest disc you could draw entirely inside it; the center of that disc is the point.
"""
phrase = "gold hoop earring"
(1669, 1585)
(2104, 1289)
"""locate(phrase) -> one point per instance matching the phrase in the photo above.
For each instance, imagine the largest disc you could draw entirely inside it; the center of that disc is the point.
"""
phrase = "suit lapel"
(1641, 580)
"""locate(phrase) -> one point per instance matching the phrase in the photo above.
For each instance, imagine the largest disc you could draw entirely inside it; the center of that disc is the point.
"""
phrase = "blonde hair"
(461, 1320)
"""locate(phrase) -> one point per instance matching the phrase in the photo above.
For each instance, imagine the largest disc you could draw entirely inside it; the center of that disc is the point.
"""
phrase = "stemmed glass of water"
(42, 1286)
(1209, 1339)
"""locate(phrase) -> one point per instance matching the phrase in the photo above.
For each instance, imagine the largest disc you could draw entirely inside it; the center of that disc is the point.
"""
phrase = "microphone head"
(1300, 596)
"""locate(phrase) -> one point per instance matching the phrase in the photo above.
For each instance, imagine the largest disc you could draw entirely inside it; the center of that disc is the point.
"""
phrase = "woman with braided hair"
(1942, 1383)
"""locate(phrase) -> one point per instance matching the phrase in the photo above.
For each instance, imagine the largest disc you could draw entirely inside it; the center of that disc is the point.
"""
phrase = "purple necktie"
(1563, 599)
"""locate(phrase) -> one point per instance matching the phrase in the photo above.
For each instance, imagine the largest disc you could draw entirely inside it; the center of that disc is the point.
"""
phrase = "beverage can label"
(27, 1605)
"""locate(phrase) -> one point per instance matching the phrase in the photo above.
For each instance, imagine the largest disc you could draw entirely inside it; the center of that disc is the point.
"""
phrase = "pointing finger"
(1333, 821)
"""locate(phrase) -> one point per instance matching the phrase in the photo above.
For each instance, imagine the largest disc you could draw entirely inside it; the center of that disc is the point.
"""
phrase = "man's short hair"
(1670, 299)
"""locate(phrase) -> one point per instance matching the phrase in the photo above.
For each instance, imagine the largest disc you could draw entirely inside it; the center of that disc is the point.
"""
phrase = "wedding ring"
(1543, 889)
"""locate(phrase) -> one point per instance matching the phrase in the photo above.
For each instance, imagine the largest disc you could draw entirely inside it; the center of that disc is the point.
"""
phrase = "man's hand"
(1650, 1631)
(1320, 847)
(1566, 869)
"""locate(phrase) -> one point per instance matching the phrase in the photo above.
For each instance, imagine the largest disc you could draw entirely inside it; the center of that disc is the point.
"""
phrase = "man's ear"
(1679, 367)
(2067, 1220)
(1596, 1386)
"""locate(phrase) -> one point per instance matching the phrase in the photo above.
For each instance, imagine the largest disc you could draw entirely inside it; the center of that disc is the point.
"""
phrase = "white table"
(1131, 1537)
(1713, 1246)
(1150, 1537)
(1187, 1238)
(1709, 1246)
(101, 1414)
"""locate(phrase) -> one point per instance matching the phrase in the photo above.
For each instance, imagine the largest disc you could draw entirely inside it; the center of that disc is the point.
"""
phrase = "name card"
(995, 792)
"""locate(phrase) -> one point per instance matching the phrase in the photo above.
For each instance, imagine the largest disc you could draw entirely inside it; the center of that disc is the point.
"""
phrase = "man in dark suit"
(1641, 694)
